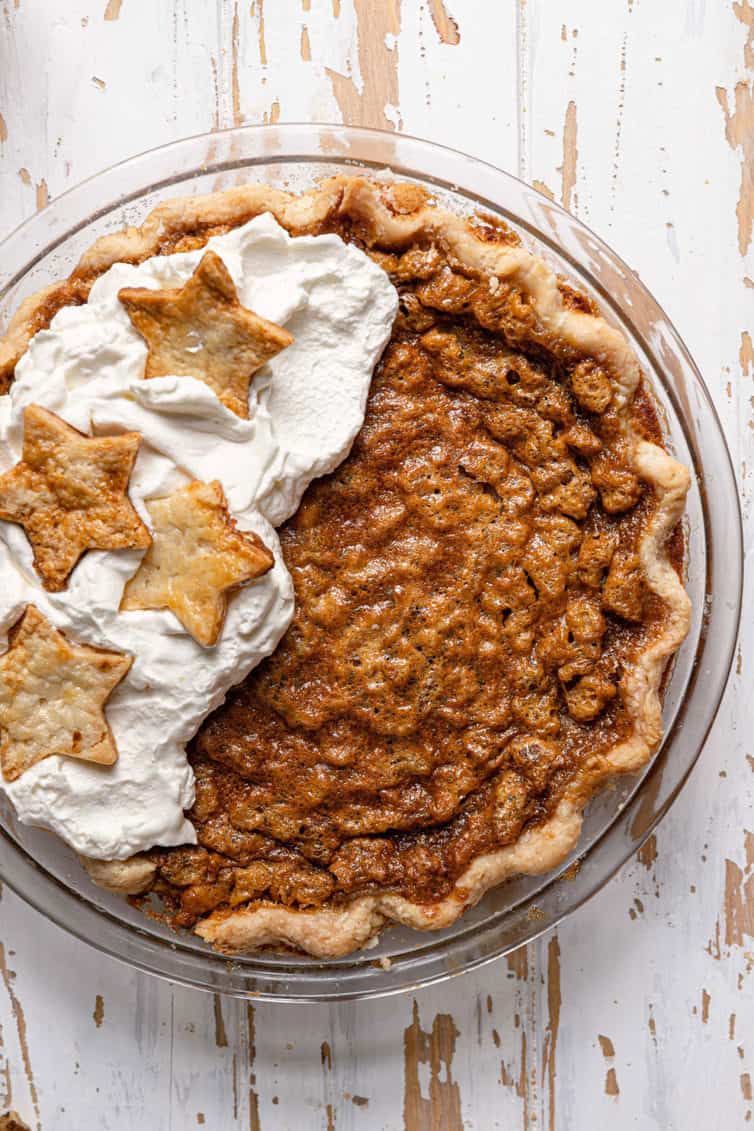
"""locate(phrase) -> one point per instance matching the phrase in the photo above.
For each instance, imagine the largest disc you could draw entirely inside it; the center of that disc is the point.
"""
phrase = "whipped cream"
(306, 407)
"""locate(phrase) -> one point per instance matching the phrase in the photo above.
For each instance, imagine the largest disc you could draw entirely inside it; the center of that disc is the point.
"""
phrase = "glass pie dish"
(47, 874)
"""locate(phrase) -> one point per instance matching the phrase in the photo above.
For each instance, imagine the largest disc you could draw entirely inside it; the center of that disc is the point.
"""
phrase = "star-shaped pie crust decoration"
(69, 494)
(197, 558)
(201, 330)
(52, 696)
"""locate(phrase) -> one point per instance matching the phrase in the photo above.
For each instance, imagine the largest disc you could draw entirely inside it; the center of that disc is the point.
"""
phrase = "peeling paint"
(20, 1020)
(738, 908)
(442, 1108)
(98, 1014)
(611, 1078)
(739, 129)
(254, 1124)
(274, 113)
(522, 1088)
(221, 1037)
(713, 946)
(518, 963)
(570, 157)
(554, 1001)
(744, 11)
(3, 130)
(374, 101)
(305, 48)
(238, 118)
(257, 9)
(746, 354)
(445, 26)
(112, 11)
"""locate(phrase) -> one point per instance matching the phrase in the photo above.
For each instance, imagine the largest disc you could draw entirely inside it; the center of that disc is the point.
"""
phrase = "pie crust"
(392, 217)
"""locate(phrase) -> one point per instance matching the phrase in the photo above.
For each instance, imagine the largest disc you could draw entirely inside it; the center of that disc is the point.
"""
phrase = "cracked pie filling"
(340, 533)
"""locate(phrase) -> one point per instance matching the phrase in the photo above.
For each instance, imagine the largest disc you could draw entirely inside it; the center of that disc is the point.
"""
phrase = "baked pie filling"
(487, 593)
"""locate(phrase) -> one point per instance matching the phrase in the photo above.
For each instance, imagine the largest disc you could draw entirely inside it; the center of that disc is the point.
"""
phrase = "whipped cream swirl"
(306, 407)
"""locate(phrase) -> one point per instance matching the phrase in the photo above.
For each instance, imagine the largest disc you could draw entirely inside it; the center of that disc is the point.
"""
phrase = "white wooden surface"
(639, 115)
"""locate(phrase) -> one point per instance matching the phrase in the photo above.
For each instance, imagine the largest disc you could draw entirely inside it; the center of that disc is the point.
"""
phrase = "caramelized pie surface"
(468, 596)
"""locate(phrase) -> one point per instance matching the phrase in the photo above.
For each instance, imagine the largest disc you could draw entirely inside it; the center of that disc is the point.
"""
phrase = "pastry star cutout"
(69, 494)
(196, 559)
(201, 330)
(52, 697)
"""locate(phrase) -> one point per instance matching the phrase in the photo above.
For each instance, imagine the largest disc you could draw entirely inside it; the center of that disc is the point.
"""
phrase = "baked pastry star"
(201, 330)
(69, 494)
(52, 696)
(197, 557)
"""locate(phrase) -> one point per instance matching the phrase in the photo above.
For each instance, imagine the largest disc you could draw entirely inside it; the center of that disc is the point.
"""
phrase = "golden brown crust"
(201, 330)
(52, 697)
(391, 219)
(197, 559)
(70, 494)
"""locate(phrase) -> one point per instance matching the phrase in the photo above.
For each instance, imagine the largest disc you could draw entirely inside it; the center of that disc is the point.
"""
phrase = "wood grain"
(641, 120)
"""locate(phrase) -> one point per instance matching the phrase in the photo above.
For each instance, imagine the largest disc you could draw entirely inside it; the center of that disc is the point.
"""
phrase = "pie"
(488, 595)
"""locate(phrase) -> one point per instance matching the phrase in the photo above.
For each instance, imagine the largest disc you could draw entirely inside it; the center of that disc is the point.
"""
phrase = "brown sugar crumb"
(595, 554)
(624, 588)
(591, 386)
(619, 488)
(588, 698)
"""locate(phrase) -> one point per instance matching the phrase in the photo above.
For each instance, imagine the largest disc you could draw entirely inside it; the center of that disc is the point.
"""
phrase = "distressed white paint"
(655, 175)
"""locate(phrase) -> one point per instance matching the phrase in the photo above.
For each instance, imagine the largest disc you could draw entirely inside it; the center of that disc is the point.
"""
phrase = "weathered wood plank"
(639, 121)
